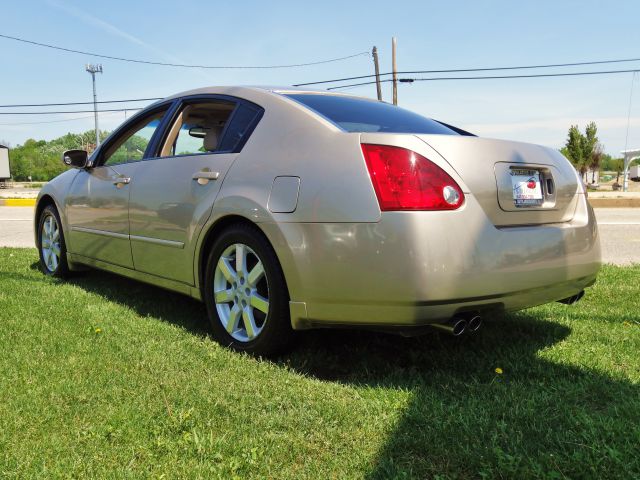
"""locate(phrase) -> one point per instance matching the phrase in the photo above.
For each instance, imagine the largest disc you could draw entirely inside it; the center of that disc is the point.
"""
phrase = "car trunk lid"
(515, 183)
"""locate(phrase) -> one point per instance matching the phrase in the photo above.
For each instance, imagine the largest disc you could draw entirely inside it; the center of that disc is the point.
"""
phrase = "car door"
(174, 192)
(97, 205)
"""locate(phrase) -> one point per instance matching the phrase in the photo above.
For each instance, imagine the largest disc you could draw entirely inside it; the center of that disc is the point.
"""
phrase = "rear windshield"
(355, 114)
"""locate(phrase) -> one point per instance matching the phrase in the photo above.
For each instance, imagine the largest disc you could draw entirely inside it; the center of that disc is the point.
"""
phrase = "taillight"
(405, 180)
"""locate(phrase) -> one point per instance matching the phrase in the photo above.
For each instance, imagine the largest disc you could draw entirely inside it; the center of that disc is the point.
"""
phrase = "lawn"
(104, 377)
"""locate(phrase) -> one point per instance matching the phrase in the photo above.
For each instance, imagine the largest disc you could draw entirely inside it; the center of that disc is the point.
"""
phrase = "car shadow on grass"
(537, 419)
(146, 300)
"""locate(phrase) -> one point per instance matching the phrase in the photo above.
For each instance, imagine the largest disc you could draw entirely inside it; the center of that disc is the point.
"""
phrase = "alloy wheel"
(50, 243)
(241, 292)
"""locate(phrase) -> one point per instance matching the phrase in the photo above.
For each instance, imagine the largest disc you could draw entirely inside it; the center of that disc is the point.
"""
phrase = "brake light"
(405, 180)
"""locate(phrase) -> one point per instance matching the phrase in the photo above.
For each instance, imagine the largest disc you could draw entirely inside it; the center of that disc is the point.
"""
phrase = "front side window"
(131, 145)
(197, 129)
(354, 114)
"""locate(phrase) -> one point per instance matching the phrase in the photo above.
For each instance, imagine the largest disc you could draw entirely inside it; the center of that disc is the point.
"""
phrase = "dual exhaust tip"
(471, 322)
(461, 324)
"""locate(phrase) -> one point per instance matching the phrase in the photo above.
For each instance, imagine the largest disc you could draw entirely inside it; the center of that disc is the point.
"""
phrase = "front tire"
(51, 244)
(246, 293)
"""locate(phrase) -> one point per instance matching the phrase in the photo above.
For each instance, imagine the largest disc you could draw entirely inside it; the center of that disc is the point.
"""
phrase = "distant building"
(5, 171)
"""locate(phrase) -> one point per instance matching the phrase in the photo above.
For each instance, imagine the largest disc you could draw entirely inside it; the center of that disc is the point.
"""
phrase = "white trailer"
(634, 173)
(5, 172)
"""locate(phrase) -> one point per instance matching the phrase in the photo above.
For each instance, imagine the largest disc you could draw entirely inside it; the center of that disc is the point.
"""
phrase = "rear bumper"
(416, 268)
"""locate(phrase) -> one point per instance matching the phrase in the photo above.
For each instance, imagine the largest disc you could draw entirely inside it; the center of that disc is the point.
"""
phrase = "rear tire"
(51, 244)
(246, 293)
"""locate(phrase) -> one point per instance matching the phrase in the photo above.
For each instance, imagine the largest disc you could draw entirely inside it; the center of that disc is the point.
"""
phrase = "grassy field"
(104, 377)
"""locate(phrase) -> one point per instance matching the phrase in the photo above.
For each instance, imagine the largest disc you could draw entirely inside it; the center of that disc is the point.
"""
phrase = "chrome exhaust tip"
(474, 324)
(572, 299)
(456, 326)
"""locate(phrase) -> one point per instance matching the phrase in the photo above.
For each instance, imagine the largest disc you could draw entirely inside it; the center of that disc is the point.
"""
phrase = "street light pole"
(395, 70)
(376, 65)
(93, 69)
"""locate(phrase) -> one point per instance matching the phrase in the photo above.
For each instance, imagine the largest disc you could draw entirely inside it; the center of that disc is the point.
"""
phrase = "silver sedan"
(289, 209)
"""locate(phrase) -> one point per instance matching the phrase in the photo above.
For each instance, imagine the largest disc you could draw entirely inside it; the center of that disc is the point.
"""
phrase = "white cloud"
(110, 28)
(118, 32)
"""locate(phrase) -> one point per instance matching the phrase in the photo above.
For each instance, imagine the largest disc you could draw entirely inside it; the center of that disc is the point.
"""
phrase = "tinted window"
(241, 126)
(197, 128)
(361, 115)
(131, 145)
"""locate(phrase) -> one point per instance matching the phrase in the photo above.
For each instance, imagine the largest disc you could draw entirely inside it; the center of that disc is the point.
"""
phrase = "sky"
(431, 35)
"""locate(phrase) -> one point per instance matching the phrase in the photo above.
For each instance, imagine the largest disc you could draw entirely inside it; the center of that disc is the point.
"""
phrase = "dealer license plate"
(527, 191)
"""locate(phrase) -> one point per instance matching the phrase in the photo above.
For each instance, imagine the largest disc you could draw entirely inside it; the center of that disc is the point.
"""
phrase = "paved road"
(619, 234)
(16, 227)
(619, 230)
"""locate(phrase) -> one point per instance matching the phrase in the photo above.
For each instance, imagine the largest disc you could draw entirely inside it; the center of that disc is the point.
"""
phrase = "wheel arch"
(44, 201)
(220, 224)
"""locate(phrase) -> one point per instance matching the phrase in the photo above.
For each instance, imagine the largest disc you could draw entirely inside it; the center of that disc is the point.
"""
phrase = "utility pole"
(93, 69)
(374, 52)
(395, 70)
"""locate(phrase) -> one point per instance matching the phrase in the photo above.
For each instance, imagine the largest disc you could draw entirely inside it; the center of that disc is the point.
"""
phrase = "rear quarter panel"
(290, 140)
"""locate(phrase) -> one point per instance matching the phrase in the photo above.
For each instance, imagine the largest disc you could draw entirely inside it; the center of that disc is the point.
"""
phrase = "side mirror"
(75, 158)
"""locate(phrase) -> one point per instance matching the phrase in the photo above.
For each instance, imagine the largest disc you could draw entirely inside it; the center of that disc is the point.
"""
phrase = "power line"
(50, 121)
(484, 69)
(489, 77)
(71, 111)
(180, 65)
(401, 80)
(79, 103)
(363, 83)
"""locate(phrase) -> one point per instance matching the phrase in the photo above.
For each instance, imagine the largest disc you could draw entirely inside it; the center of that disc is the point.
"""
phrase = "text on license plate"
(527, 190)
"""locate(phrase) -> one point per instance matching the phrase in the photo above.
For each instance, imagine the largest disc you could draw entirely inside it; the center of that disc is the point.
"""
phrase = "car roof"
(251, 90)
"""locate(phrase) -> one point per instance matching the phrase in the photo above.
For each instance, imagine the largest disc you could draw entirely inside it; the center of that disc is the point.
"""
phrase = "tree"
(590, 147)
(608, 163)
(583, 151)
(596, 158)
(41, 160)
(618, 165)
(573, 147)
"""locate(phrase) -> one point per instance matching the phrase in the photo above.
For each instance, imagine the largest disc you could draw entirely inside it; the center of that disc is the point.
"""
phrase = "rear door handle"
(121, 181)
(204, 176)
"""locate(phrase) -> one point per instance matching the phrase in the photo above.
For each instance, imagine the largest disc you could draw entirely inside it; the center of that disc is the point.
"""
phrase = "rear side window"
(241, 125)
(355, 114)
(197, 128)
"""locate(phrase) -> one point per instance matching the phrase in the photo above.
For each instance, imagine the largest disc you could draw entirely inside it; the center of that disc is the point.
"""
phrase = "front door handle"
(203, 176)
(120, 181)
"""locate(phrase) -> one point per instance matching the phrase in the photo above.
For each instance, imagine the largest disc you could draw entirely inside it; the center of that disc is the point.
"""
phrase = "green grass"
(104, 377)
